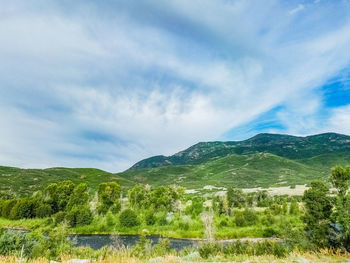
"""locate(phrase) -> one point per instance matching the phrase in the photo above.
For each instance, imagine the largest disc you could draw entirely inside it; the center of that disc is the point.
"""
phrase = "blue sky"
(106, 83)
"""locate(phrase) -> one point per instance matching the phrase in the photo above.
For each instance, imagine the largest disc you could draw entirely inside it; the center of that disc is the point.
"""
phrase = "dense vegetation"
(319, 219)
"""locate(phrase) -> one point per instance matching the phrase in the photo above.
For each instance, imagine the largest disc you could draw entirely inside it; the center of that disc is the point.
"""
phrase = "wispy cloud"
(297, 9)
(104, 84)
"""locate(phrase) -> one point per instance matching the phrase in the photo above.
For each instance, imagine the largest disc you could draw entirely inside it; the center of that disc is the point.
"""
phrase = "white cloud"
(339, 120)
(154, 83)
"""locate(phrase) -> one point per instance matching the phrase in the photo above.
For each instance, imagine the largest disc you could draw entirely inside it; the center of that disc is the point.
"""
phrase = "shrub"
(280, 250)
(43, 210)
(209, 249)
(294, 208)
(223, 222)
(110, 219)
(250, 217)
(57, 241)
(239, 219)
(128, 218)
(103, 208)
(162, 220)
(236, 248)
(150, 218)
(184, 225)
(162, 248)
(277, 249)
(115, 209)
(60, 217)
(270, 232)
(12, 242)
(143, 248)
(22, 209)
(79, 215)
(7, 207)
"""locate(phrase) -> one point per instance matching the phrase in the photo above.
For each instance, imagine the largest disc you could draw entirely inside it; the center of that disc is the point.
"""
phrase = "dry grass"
(324, 256)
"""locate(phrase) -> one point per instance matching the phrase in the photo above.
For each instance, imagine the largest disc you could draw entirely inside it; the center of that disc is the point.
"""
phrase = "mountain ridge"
(293, 147)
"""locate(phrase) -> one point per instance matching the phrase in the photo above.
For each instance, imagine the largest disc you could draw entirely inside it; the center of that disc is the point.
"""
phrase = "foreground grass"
(295, 257)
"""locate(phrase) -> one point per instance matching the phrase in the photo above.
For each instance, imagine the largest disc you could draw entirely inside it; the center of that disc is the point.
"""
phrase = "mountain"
(287, 146)
(264, 160)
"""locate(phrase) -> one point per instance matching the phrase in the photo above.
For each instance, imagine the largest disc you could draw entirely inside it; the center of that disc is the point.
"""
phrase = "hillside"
(243, 171)
(261, 161)
(27, 181)
(291, 147)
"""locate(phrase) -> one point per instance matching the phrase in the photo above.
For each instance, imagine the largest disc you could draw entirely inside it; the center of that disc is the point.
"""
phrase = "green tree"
(43, 210)
(318, 208)
(235, 197)
(294, 207)
(139, 196)
(108, 195)
(164, 198)
(58, 195)
(79, 215)
(79, 196)
(196, 207)
(340, 180)
(7, 207)
(24, 208)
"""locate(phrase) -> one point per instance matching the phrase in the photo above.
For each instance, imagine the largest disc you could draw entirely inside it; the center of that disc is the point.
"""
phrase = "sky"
(107, 83)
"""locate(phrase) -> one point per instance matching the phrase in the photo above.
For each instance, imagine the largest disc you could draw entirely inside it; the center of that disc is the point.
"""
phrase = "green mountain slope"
(264, 160)
(291, 147)
(246, 171)
(27, 181)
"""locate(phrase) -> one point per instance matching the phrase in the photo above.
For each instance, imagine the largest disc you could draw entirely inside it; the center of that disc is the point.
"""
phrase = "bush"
(60, 217)
(250, 217)
(184, 225)
(239, 219)
(162, 248)
(294, 208)
(43, 210)
(209, 249)
(22, 209)
(12, 242)
(102, 209)
(269, 232)
(79, 215)
(280, 250)
(143, 247)
(277, 249)
(115, 209)
(223, 222)
(128, 218)
(7, 207)
(162, 220)
(236, 248)
(110, 219)
(150, 218)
